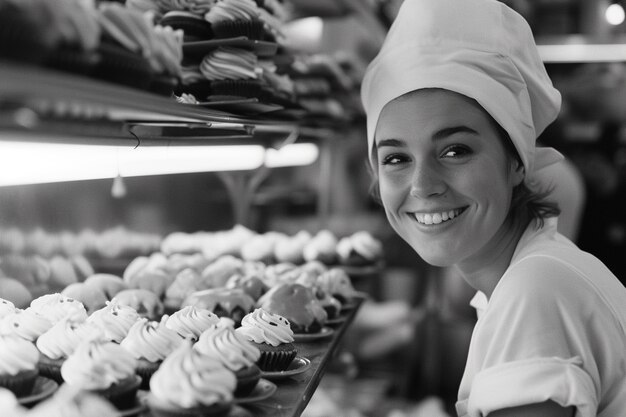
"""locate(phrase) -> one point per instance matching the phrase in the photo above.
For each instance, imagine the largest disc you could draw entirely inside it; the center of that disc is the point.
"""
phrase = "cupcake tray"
(294, 390)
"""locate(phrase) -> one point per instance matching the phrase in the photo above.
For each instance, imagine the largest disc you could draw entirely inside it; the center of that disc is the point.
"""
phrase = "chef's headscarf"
(479, 48)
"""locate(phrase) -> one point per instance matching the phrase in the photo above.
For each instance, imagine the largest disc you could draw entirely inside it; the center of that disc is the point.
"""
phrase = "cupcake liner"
(122, 395)
(122, 67)
(251, 29)
(276, 358)
(145, 369)
(193, 29)
(51, 368)
(200, 90)
(160, 409)
(247, 378)
(20, 384)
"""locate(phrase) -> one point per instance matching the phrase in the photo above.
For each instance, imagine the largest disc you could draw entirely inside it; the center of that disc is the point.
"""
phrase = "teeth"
(436, 218)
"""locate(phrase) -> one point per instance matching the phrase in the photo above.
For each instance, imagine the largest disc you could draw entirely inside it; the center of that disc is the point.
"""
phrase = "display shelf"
(43, 104)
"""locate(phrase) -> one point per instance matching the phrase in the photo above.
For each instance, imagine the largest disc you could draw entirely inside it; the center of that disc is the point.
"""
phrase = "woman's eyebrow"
(449, 131)
(390, 142)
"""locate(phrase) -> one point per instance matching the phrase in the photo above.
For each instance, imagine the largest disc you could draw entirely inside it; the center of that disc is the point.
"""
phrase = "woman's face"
(445, 178)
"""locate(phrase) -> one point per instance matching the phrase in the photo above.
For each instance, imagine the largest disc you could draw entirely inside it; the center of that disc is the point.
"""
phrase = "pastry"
(114, 320)
(297, 304)
(18, 364)
(92, 298)
(58, 342)
(232, 18)
(234, 351)
(336, 282)
(189, 383)
(144, 302)
(250, 283)
(359, 249)
(150, 342)
(6, 308)
(272, 334)
(220, 270)
(190, 322)
(186, 282)
(56, 307)
(260, 248)
(104, 368)
(26, 324)
(14, 291)
(109, 284)
(290, 249)
(323, 248)
(224, 302)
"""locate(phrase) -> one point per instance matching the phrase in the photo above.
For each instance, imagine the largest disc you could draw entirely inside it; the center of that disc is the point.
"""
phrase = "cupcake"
(234, 351)
(72, 401)
(224, 302)
(232, 18)
(6, 308)
(189, 383)
(150, 342)
(190, 322)
(144, 302)
(250, 283)
(273, 336)
(56, 307)
(337, 283)
(104, 368)
(18, 364)
(60, 341)
(322, 247)
(215, 274)
(359, 249)
(186, 282)
(92, 298)
(296, 303)
(109, 284)
(115, 320)
(27, 324)
(290, 249)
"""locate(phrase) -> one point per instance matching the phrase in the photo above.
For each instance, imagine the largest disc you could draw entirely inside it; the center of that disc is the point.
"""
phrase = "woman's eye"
(455, 151)
(392, 159)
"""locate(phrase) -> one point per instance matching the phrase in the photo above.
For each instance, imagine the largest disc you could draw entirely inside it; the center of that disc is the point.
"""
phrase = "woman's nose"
(427, 182)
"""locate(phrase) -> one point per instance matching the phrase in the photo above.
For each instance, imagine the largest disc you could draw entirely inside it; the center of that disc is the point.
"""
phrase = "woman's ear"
(518, 173)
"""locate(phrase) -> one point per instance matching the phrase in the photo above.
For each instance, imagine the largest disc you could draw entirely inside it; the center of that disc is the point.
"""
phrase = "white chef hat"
(479, 48)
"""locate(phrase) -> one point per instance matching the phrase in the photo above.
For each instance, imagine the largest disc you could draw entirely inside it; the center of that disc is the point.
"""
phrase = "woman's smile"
(438, 216)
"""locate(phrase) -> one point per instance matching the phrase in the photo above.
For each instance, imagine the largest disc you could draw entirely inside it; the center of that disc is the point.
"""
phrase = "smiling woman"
(455, 101)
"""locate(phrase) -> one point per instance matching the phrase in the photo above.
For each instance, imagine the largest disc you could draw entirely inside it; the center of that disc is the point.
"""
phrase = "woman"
(455, 100)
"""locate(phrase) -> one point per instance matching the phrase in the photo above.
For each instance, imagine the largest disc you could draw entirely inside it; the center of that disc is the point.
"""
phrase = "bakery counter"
(293, 392)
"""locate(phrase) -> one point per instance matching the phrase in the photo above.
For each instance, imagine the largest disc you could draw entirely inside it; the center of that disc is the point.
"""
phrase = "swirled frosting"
(97, 364)
(187, 378)
(151, 340)
(56, 306)
(190, 321)
(229, 347)
(198, 7)
(362, 243)
(228, 63)
(63, 337)
(229, 10)
(115, 320)
(6, 307)
(261, 326)
(16, 355)
(27, 324)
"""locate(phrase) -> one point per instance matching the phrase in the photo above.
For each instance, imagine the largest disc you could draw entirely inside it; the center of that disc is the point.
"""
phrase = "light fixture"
(26, 162)
(577, 53)
(614, 13)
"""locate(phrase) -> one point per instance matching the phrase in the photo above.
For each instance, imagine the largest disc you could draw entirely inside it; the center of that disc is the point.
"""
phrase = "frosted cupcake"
(56, 306)
(322, 247)
(26, 324)
(189, 383)
(18, 364)
(150, 342)
(359, 249)
(104, 368)
(60, 341)
(115, 320)
(6, 308)
(273, 336)
(235, 352)
(190, 322)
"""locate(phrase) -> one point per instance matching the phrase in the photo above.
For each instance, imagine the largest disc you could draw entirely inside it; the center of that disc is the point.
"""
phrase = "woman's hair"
(525, 201)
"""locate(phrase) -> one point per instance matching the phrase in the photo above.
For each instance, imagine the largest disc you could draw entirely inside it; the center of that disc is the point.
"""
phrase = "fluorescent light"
(33, 163)
(304, 34)
(295, 154)
(582, 53)
(614, 14)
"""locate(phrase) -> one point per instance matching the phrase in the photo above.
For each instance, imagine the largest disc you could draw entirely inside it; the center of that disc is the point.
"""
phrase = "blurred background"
(405, 352)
